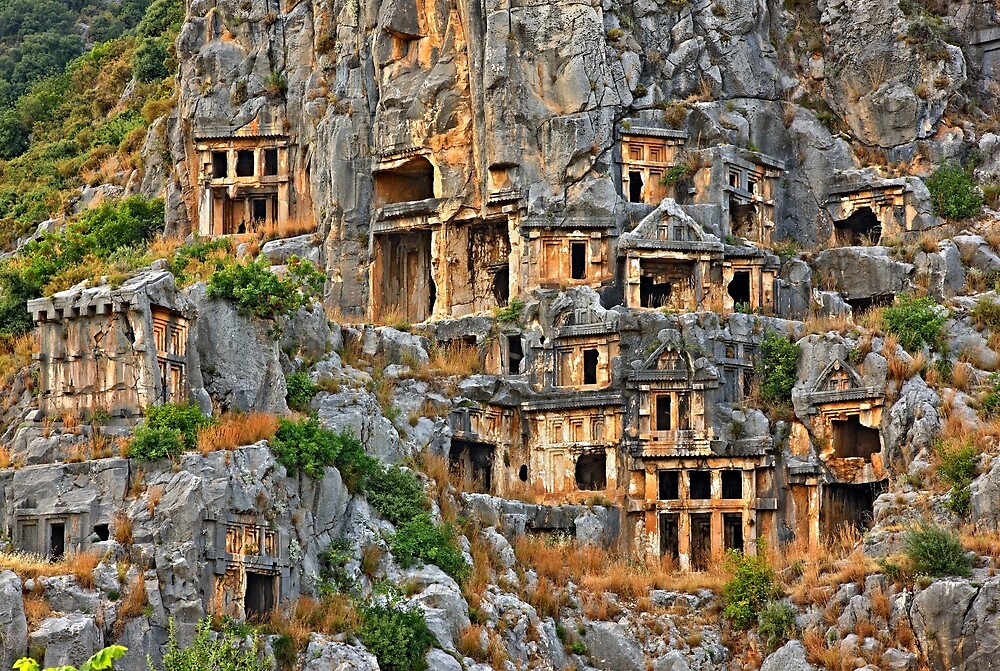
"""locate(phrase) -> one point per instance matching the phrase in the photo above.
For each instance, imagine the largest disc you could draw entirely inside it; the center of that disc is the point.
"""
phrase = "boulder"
(938, 616)
(789, 657)
(611, 647)
(863, 272)
(325, 654)
(279, 252)
(68, 640)
(13, 625)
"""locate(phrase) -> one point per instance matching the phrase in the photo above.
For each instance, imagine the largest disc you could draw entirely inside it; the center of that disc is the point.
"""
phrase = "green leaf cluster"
(776, 624)
(752, 587)
(935, 551)
(300, 391)
(954, 193)
(420, 539)
(305, 446)
(170, 429)
(915, 321)
(397, 636)
(100, 661)
(226, 651)
(258, 292)
(958, 466)
(778, 367)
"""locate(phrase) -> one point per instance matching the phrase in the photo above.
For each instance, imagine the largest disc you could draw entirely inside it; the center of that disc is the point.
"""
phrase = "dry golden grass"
(133, 604)
(818, 653)
(235, 430)
(334, 614)
(457, 359)
(984, 542)
(393, 316)
(474, 643)
(881, 603)
(80, 565)
(5, 458)
(164, 248)
(963, 376)
(153, 496)
(36, 609)
(826, 323)
(15, 356)
(123, 528)
(371, 555)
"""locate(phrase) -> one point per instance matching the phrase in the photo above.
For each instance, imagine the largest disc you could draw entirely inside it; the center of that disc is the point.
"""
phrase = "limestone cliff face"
(504, 96)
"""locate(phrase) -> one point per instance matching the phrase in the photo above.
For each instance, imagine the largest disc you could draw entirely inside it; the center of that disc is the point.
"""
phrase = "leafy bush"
(776, 624)
(990, 406)
(259, 292)
(397, 636)
(396, 495)
(226, 651)
(778, 367)
(422, 540)
(750, 590)
(915, 320)
(333, 576)
(114, 130)
(935, 551)
(958, 467)
(149, 61)
(151, 444)
(987, 313)
(305, 446)
(301, 390)
(510, 313)
(954, 193)
(182, 417)
(101, 660)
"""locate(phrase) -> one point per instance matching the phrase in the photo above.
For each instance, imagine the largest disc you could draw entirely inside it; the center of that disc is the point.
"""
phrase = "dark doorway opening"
(741, 217)
(732, 531)
(102, 532)
(522, 473)
(259, 209)
(635, 186)
(699, 484)
(669, 545)
(591, 472)
(501, 286)
(220, 164)
(244, 163)
(472, 464)
(270, 162)
(590, 358)
(732, 485)
(861, 228)
(653, 294)
(578, 260)
(701, 541)
(852, 439)
(849, 505)
(663, 422)
(259, 601)
(739, 291)
(515, 354)
(866, 303)
(57, 540)
(403, 276)
(669, 485)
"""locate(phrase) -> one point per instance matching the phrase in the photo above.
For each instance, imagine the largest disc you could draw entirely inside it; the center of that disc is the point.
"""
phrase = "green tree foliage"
(301, 390)
(958, 466)
(100, 661)
(99, 233)
(260, 293)
(778, 367)
(753, 586)
(37, 39)
(420, 539)
(149, 61)
(152, 443)
(397, 636)
(915, 320)
(304, 446)
(954, 193)
(225, 651)
(182, 417)
(935, 551)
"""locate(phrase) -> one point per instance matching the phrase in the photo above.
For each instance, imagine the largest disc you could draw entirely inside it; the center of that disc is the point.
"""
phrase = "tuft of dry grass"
(80, 565)
(371, 555)
(5, 458)
(817, 651)
(984, 542)
(460, 359)
(881, 604)
(15, 356)
(133, 604)
(153, 496)
(334, 614)
(819, 324)
(963, 376)
(235, 430)
(36, 609)
(123, 528)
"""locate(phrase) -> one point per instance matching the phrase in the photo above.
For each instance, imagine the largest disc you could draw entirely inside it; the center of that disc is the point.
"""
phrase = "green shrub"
(396, 495)
(182, 417)
(776, 624)
(149, 61)
(987, 313)
(301, 390)
(778, 367)
(750, 590)
(100, 661)
(915, 320)
(192, 257)
(161, 17)
(990, 406)
(305, 446)
(260, 293)
(333, 576)
(578, 648)
(152, 444)
(226, 651)
(397, 636)
(510, 313)
(422, 540)
(958, 467)
(954, 193)
(935, 551)
(114, 130)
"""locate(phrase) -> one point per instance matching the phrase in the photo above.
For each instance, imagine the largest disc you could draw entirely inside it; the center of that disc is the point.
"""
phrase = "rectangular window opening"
(578, 260)
(57, 540)
(732, 531)
(590, 358)
(220, 164)
(635, 186)
(732, 485)
(669, 485)
(663, 412)
(244, 163)
(270, 162)
(515, 354)
(700, 484)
